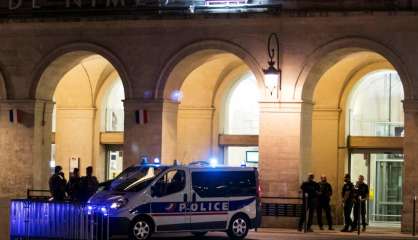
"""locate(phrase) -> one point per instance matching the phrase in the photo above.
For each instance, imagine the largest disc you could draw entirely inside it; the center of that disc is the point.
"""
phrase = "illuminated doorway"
(376, 119)
(242, 118)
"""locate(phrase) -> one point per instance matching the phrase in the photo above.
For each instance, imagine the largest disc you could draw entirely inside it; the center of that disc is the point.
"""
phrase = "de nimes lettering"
(39, 4)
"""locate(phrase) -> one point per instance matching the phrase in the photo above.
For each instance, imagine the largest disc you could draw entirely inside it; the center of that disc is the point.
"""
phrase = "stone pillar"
(42, 143)
(410, 183)
(283, 149)
(326, 146)
(195, 134)
(24, 145)
(156, 138)
(75, 137)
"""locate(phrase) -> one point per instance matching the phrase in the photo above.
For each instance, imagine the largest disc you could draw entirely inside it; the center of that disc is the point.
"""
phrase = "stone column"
(284, 146)
(410, 183)
(24, 145)
(156, 138)
(195, 134)
(75, 138)
(42, 143)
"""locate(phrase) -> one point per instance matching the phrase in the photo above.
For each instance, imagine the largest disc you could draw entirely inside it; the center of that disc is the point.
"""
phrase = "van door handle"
(185, 197)
(194, 197)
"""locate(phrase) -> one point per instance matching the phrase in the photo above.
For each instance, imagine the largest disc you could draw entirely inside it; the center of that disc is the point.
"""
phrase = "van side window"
(172, 182)
(209, 184)
(224, 183)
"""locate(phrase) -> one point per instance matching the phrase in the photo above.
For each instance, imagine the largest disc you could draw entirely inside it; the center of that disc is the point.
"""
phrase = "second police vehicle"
(196, 198)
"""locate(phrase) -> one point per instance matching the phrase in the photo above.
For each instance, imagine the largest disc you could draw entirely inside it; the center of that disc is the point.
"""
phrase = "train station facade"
(110, 92)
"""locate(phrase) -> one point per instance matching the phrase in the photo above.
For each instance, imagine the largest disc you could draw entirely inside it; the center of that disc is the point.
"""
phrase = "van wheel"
(199, 234)
(141, 229)
(238, 227)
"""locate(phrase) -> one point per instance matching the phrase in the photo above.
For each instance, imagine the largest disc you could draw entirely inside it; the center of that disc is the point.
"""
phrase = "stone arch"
(332, 52)
(343, 62)
(3, 87)
(192, 56)
(54, 65)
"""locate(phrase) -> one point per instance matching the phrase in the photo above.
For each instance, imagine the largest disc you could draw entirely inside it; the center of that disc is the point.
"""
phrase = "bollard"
(414, 215)
(305, 224)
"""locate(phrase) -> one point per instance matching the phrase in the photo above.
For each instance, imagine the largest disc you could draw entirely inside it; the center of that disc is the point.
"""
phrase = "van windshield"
(134, 179)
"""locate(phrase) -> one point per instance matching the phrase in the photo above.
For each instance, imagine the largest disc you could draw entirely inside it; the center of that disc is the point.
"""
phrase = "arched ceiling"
(80, 85)
(200, 86)
(333, 82)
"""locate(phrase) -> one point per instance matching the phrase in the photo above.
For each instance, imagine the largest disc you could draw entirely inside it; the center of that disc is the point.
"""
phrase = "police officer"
(88, 185)
(347, 195)
(324, 197)
(57, 184)
(310, 190)
(361, 194)
(73, 186)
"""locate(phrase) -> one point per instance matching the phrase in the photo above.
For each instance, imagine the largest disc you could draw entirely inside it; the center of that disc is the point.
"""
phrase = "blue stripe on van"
(210, 207)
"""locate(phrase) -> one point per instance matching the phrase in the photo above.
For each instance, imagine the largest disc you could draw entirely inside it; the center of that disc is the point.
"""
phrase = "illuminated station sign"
(11, 9)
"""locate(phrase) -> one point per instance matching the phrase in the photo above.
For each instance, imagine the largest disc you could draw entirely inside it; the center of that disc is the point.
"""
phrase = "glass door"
(114, 161)
(384, 174)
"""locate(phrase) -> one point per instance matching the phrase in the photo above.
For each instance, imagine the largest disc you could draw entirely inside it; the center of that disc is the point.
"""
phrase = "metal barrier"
(35, 194)
(35, 219)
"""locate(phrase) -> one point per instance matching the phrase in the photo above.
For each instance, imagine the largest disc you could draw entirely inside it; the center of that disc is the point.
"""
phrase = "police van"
(196, 198)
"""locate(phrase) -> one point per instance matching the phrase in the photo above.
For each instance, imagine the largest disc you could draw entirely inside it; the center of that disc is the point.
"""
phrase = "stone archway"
(3, 87)
(191, 56)
(332, 52)
(180, 69)
(57, 63)
(321, 63)
(51, 70)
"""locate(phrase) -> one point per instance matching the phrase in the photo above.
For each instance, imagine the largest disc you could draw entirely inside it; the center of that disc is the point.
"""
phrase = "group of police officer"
(317, 196)
(77, 189)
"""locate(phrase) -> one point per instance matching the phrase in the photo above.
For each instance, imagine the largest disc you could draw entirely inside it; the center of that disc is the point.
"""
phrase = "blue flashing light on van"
(198, 198)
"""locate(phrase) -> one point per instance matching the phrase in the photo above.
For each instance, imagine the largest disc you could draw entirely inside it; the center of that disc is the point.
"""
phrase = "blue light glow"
(156, 160)
(213, 162)
(104, 211)
(176, 96)
(114, 205)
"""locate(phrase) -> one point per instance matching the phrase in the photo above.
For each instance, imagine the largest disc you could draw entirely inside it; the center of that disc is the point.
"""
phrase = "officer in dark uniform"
(347, 195)
(310, 190)
(57, 184)
(73, 186)
(361, 194)
(88, 185)
(324, 197)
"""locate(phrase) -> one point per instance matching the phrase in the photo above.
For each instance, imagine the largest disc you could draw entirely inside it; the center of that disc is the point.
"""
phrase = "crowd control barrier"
(40, 219)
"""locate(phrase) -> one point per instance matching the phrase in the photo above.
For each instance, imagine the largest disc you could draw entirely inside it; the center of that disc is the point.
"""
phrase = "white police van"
(196, 198)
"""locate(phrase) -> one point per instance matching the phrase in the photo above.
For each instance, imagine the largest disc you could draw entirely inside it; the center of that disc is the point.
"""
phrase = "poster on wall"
(74, 163)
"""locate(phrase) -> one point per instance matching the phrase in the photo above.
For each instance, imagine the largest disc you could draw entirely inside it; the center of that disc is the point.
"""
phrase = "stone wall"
(142, 51)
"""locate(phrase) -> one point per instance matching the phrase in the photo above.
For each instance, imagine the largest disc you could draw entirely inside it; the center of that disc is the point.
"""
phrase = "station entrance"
(383, 168)
(375, 144)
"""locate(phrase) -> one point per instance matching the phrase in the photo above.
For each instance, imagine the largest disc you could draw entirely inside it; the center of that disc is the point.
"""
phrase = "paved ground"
(289, 234)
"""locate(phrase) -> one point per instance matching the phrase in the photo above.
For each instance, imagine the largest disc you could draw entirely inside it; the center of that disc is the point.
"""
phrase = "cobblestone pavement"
(288, 234)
